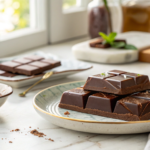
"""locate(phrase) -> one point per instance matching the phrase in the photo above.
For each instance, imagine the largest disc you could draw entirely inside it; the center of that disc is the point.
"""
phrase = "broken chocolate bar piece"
(34, 57)
(22, 61)
(102, 101)
(133, 106)
(75, 99)
(117, 82)
(28, 70)
(9, 66)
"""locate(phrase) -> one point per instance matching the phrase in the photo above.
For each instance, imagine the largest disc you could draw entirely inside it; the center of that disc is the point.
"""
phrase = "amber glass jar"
(136, 15)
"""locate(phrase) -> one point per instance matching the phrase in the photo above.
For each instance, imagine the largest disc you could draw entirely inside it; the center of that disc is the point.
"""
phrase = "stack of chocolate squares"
(28, 65)
(114, 94)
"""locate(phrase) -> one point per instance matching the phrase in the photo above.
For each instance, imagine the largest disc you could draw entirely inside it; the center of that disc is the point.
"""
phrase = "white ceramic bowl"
(5, 91)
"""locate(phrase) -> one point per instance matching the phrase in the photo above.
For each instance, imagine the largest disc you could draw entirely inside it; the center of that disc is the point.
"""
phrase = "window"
(14, 15)
(26, 24)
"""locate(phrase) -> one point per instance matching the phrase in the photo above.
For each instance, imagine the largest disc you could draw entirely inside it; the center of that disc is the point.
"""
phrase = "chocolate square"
(133, 106)
(102, 101)
(42, 65)
(34, 57)
(76, 97)
(28, 70)
(138, 78)
(22, 61)
(121, 82)
(9, 66)
(117, 72)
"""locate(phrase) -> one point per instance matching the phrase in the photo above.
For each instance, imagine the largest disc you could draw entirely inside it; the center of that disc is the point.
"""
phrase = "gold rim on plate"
(79, 120)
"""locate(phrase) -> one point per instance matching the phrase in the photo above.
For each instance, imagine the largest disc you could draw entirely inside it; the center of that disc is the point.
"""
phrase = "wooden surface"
(19, 113)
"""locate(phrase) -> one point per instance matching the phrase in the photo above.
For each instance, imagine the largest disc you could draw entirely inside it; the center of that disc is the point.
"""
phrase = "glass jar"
(101, 20)
(98, 18)
(136, 15)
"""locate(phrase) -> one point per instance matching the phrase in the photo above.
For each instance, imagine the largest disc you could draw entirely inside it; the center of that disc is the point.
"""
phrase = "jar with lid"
(136, 15)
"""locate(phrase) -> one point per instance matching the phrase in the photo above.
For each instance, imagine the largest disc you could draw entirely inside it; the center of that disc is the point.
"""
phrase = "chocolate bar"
(6, 74)
(29, 65)
(75, 99)
(117, 82)
(129, 108)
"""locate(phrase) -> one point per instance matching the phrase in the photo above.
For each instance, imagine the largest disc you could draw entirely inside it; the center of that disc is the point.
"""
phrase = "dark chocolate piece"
(22, 61)
(75, 97)
(55, 63)
(102, 101)
(138, 78)
(34, 57)
(133, 106)
(42, 65)
(117, 72)
(9, 66)
(117, 83)
(28, 70)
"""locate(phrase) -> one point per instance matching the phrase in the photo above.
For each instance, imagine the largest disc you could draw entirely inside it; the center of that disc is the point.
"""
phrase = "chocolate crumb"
(66, 113)
(17, 129)
(10, 141)
(12, 131)
(2, 138)
(30, 127)
(36, 133)
(51, 139)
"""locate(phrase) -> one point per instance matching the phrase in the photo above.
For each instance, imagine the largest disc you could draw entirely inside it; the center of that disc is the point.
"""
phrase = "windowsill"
(74, 10)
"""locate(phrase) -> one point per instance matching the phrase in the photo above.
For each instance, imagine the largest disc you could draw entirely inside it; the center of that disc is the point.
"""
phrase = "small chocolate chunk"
(132, 105)
(75, 97)
(102, 101)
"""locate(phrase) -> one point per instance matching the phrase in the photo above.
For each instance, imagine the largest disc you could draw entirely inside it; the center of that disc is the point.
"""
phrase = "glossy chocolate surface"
(76, 97)
(102, 101)
(132, 105)
(19, 65)
(117, 82)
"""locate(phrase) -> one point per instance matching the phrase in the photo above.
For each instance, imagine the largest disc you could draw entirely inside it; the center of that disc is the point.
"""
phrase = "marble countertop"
(19, 113)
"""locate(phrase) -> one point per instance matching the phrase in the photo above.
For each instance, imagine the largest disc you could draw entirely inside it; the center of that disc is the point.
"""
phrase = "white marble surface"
(19, 113)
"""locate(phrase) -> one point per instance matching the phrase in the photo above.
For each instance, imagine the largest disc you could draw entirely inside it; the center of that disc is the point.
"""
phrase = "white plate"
(83, 51)
(68, 67)
(46, 104)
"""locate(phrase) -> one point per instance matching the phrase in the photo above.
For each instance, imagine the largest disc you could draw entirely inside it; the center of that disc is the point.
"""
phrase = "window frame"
(28, 38)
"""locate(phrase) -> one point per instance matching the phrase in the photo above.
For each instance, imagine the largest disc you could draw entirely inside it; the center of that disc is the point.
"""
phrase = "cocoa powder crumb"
(30, 127)
(66, 113)
(36, 133)
(17, 129)
(12, 131)
(51, 139)
(10, 141)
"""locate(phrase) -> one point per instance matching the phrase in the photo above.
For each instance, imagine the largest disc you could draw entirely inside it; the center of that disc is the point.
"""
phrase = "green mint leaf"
(105, 3)
(118, 45)
(138, 75)
(104, 36)
(103, 74)
(131, 47)
(112, 36)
